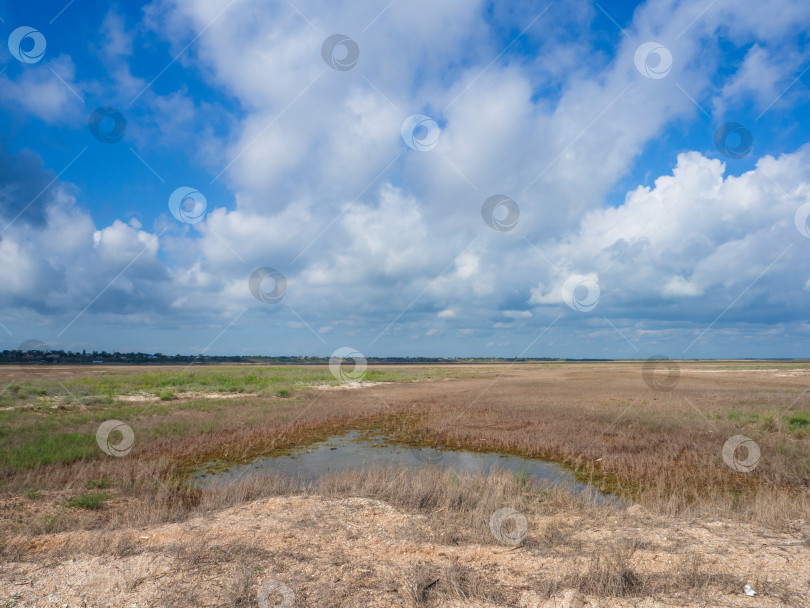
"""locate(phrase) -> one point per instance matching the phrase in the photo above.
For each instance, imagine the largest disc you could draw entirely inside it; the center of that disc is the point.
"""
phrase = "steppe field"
(698, 476)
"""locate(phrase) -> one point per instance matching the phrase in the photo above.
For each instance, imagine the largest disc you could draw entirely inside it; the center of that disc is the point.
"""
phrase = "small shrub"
(609, 573)
(284, 392)
(33, 494)
(166, 395)
(768, 423)
(49, 525)
(797, 421)
(88, 500)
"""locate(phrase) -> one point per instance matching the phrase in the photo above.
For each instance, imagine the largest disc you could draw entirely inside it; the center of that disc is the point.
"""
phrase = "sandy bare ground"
(142, 397)
(360, 552)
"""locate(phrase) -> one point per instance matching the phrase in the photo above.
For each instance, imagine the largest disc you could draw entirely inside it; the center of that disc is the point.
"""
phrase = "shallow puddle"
(354, 451)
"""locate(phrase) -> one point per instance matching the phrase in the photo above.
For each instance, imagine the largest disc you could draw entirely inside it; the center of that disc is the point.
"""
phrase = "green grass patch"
(798, 421)
(42, 449)
(88, 500)
(743, 418)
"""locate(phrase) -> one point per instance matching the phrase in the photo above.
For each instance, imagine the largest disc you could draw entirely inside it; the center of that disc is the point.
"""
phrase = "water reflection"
(353, 451)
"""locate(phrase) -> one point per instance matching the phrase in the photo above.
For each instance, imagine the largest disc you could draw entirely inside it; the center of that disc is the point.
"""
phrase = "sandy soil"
(360, 552)
(347, 386)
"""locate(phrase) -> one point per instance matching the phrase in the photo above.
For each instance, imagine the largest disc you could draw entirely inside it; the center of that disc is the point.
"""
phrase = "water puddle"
(354, 451)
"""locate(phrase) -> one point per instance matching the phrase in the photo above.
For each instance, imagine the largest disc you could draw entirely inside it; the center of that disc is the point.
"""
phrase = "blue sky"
(636, 234)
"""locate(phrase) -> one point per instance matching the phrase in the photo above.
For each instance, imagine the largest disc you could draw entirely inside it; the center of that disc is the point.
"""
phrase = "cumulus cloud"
(382, 240)
(49, 92)
(697, 233)
(54, 259)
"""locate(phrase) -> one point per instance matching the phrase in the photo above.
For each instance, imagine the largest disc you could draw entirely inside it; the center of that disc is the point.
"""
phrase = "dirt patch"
(347, 386)
(185, 395)
(361, 552)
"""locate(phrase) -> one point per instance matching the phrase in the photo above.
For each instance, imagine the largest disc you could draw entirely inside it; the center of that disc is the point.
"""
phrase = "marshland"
(619, 474)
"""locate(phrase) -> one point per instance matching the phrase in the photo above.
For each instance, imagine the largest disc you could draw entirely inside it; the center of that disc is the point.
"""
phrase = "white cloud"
(678, 286)
(695, 234)
(366, 229)
(41, 92)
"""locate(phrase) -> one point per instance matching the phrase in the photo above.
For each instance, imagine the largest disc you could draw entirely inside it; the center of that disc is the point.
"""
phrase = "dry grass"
(453, 511)
(426, 583)
(611, 572)
(662, 449)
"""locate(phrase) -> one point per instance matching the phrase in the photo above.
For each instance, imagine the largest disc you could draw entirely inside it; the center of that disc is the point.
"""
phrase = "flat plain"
(689, 527)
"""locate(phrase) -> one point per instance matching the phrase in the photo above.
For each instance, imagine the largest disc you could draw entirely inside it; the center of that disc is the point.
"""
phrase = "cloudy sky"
(420, 177)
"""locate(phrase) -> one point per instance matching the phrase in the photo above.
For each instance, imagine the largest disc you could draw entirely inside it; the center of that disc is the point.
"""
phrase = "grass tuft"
(88, 500)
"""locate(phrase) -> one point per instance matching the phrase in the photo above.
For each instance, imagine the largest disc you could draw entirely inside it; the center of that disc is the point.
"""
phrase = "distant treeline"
(103, 357)
(41, 355)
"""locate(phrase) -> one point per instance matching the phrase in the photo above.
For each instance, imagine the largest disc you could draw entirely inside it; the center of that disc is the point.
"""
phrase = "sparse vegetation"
(660, 449)
(98, 483)
(799, 421)
(88, 500)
